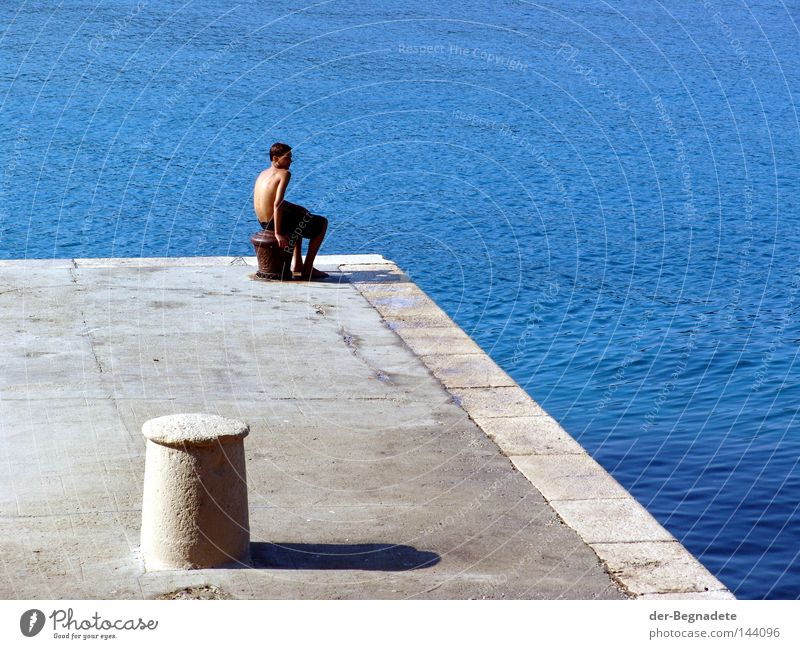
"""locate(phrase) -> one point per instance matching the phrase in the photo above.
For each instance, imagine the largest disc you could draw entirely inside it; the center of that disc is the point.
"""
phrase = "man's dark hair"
(278, 149)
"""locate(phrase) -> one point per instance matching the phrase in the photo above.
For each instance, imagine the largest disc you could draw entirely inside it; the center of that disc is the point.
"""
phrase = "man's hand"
(283, 240)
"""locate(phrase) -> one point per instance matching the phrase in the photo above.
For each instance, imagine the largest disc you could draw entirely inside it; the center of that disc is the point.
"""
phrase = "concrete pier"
(388, 456)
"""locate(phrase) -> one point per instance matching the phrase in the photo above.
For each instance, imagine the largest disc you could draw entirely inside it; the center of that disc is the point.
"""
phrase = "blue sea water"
(603, 194)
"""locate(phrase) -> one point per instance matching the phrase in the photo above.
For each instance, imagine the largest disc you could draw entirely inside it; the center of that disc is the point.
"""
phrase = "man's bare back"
(265, 190)
(274, 212)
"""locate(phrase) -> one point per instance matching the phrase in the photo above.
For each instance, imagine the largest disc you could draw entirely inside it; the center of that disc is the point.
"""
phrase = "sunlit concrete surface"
(388, 456)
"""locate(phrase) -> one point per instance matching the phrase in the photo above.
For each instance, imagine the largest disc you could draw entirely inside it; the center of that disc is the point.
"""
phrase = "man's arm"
(277, 208)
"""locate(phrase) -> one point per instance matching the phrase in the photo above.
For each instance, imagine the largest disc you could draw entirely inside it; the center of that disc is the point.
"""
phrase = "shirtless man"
(289, 221)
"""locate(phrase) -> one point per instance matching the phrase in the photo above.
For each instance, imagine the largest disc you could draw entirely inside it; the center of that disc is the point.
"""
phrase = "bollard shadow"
(333, 556)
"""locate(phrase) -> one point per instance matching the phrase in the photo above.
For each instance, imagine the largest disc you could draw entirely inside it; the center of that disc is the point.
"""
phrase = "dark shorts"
(298, 221)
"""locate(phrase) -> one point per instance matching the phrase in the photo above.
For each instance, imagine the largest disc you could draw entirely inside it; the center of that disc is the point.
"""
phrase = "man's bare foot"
(315, 274)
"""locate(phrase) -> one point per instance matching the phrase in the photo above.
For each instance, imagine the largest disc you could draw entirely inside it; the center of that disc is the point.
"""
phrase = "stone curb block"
(653, 568)
(467, 371)
(611, 521)
(442, 340)
(568, 477)
(538, 435)
(487, 403)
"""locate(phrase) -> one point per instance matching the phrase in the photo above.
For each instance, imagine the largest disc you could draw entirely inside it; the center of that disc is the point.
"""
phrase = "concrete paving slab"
(372, 273)
(36, 264)
(487, 402)
(38, 302)
(656, 568)
(612, 521)
(299, 419)
(35, 278)
(468, 371)
(428, 342)
(379, 290)
(539, 435)
(114, 262)
(568, 477)
(468, 549)
(404, 306)
(360, 261)
(430, 320)
(78, 556)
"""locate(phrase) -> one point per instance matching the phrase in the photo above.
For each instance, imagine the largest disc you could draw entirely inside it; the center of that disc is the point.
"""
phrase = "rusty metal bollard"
(273, 261)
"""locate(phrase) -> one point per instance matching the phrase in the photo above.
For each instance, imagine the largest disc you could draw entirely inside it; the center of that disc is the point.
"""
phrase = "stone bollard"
(194, 513)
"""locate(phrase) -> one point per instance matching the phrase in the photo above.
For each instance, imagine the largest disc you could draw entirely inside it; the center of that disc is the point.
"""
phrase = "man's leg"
(297, 261)
(289, 226)
(309, 272)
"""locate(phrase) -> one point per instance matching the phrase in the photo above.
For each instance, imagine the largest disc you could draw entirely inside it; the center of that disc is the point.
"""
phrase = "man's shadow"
(330, 556)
